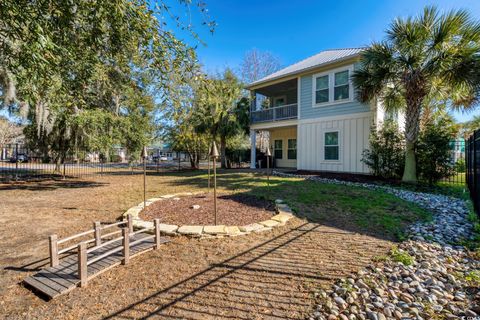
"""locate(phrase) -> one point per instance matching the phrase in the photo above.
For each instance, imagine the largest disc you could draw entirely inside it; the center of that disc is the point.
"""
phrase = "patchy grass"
(401, 256)
(473, 244)
(350, 208)
(353, 208)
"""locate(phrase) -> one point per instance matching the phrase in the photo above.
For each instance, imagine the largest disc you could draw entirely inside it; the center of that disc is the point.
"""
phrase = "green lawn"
(351, 208)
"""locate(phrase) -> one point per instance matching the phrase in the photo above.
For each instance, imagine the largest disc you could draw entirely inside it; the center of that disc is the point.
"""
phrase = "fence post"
(130, 222)
(126, 245)
(98, 236)
(16, 161)
(156, 222)
(53, 248)
(82, 264)
(63, 169)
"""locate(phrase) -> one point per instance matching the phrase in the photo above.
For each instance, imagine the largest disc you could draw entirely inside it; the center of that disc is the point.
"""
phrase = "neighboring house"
(310, 110)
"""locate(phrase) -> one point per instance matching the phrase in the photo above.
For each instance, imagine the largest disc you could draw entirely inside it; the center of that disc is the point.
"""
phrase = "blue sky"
(293, 30)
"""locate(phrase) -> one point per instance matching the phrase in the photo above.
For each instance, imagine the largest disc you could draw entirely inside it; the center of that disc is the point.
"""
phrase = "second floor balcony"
(285, 112)
(275, 102)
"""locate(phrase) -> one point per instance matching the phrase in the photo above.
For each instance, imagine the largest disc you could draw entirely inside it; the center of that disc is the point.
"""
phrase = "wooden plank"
(39, 286)
(66, 274)
(55, 286)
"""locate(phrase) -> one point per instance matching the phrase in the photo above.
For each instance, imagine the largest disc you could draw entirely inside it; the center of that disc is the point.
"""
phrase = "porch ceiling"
(278, 87)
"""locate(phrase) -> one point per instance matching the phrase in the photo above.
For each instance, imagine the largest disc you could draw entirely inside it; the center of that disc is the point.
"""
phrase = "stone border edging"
(284, 213)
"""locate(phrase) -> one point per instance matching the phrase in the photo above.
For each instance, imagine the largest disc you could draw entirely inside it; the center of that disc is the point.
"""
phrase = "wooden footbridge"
(96, 253)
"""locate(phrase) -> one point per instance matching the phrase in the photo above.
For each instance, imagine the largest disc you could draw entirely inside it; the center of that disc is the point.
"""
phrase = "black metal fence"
(458, 161)
(17, 161)
(473, 168)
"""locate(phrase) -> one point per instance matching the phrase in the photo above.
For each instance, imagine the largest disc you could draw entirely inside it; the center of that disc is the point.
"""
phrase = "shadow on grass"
(51, 185)
(272, 280)
(353, 209)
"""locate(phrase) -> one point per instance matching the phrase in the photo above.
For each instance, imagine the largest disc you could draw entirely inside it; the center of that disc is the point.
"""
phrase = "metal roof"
(320, 59)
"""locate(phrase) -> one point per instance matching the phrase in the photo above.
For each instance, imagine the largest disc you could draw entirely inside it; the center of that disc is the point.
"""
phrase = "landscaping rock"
(214, 229)
(435, 281)
(195, 207)
(168, 229)
(190, 230)
(269, 223)
(233, 231)
(282, 217)
(251, 227)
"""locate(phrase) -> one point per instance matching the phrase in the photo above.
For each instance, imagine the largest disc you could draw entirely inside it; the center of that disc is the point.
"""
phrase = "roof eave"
(260, 83)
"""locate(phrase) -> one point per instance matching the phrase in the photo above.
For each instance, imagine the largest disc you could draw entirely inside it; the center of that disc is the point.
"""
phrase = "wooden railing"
(289, 111)
(83, 250)
(54, 242)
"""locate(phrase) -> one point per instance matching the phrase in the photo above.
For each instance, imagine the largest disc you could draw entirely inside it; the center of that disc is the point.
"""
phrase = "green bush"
(385, 157)
(460, 166)
(434, 160)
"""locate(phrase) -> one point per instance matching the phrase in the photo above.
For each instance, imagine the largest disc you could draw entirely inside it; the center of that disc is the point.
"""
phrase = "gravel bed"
(428, 276)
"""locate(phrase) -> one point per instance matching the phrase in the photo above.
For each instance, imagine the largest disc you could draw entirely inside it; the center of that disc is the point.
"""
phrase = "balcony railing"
(289, 111)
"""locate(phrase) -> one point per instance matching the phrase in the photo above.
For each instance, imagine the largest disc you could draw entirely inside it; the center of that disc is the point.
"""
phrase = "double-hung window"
(321, 89)
(278, 149)
(341, 89)
(292, 149)
(332, 87)
(331, 148)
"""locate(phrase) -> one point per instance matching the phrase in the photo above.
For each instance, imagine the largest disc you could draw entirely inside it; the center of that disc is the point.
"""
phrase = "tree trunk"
(412, 127)
(410, 171)
(194, 161)
(223, 147)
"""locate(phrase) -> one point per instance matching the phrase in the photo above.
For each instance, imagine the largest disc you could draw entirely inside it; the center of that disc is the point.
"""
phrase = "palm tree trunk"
(410, 171)
(412, 127)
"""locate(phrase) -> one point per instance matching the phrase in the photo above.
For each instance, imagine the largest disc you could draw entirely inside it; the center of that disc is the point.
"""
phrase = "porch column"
(253, 153)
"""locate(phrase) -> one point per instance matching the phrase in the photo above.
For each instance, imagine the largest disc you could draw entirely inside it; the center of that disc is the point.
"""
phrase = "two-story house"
(314, 119)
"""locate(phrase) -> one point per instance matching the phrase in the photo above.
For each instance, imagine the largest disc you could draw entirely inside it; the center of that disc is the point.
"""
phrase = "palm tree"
(429, 57)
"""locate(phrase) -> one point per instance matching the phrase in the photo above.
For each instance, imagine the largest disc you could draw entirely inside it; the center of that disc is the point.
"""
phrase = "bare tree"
(9, 131)
(257, 64)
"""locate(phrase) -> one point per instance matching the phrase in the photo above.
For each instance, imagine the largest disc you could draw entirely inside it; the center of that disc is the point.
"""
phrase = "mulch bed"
(235, 209)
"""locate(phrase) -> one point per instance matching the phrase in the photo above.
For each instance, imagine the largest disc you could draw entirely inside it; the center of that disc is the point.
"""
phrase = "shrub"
(386, 155)
(460, 166)
(434, 160)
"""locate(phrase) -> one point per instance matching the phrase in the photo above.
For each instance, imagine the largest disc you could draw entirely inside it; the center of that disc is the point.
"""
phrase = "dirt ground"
(232, 210)
(260, 276)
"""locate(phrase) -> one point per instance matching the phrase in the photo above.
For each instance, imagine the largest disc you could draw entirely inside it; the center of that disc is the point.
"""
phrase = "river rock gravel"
(430, 276)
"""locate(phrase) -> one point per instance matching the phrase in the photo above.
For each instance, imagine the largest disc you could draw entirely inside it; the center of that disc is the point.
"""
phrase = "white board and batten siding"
(353, 133)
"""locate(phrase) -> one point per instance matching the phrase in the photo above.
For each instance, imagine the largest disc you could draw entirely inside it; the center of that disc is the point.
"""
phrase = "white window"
(341, 89)
(278, 149)
(333, 86)
(321, 89)
(292, 149)
(331, 146)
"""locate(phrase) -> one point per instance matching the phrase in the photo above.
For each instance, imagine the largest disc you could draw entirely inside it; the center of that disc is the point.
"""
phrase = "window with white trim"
(341, 89)
(331, 146)
(321, 89)
(292, 149)
(278, 149)
(332, 87)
